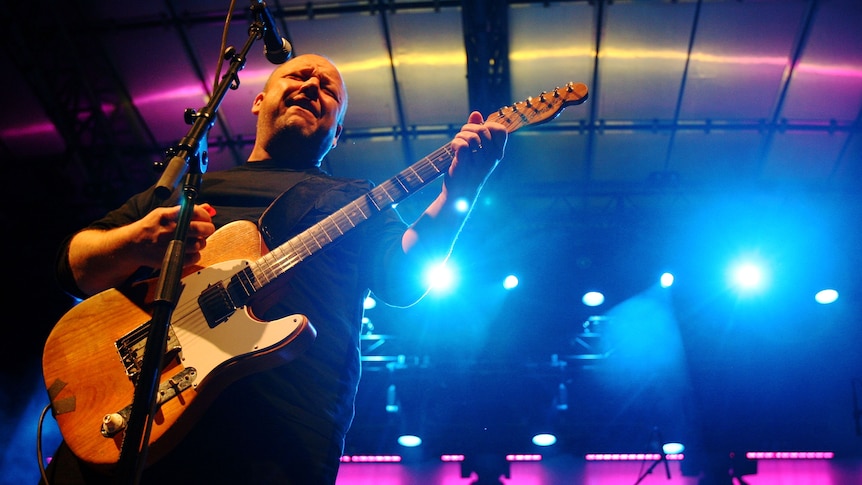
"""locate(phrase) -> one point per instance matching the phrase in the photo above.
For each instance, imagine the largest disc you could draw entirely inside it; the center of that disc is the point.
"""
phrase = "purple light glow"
(790, 455)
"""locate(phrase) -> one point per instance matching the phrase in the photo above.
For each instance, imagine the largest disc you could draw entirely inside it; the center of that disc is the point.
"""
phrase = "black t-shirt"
(268, 415)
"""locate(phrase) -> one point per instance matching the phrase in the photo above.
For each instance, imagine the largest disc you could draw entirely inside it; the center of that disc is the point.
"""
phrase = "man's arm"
(478, 149)
(101, 259)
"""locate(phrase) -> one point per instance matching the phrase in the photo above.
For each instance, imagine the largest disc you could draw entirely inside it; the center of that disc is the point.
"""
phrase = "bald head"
(300, 111)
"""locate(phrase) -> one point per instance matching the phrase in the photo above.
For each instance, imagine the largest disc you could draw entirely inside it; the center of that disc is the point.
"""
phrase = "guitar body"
(86, 371)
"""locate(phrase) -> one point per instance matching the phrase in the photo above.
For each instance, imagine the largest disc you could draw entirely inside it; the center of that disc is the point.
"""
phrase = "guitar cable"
(39, 445)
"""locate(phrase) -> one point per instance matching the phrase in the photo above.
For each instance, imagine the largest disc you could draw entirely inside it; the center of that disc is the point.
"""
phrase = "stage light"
(790, 455)
(825, 297)
(748, 277)
(440, 277)
(462, 205)
(666, 280)
(593, 298)
(544, 439)
(631, 457)
(521, 457)
(409, 440)
(369, 303)
(672, 448)
(370, 459)
(510, 282)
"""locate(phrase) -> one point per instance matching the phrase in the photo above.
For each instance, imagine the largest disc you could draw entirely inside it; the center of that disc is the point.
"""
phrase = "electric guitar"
(93, 355)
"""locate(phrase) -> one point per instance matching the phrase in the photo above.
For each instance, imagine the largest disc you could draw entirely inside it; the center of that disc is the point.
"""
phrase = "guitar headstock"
(540, 109)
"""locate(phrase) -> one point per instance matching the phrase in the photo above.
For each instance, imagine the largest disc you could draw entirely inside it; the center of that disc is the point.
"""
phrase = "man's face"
(301, 108)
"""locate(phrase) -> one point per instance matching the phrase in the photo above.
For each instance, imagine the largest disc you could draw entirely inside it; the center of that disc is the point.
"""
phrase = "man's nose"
(311, 84)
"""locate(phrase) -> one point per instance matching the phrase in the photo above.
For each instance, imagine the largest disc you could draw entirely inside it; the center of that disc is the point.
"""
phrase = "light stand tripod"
(656, 435)
(655, 463)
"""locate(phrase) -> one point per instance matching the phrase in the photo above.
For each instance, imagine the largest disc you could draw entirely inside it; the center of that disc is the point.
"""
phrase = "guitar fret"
(444, 154)
(329, 237)
(430, 170)
(383, 189)
(332, 222)
(345, 215)
(264, 275)
(283, 261)
(437, 170)
(352, 215)
(370, 198)
(304, 245)
(313, 235)
(409, 179)
(245, 281)
(293, 250)
(399, 190)
(404, 188)
(358, 208)
(421, 180)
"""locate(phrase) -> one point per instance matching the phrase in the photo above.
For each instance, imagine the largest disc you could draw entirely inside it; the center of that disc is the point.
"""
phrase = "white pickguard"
(206, 348)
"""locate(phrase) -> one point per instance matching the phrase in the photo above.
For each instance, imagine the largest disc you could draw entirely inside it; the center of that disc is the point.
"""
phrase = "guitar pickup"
(216, 304)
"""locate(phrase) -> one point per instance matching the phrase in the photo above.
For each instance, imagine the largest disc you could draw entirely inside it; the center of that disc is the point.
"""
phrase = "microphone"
(275, 47)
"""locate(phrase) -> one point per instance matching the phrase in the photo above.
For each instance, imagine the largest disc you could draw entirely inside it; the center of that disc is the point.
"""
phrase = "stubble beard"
(294, 139)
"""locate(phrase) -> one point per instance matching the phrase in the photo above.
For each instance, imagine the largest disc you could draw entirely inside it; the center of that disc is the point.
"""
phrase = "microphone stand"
(133, 453)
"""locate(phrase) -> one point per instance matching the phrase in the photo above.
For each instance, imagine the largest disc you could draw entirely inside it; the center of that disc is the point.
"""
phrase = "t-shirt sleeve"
(393, 278)
(133, 209)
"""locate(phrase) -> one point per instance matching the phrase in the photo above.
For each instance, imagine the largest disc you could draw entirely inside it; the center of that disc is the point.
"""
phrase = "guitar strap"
(279, 222)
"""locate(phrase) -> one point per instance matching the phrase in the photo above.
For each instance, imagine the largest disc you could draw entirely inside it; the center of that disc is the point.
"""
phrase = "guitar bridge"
(114, 423)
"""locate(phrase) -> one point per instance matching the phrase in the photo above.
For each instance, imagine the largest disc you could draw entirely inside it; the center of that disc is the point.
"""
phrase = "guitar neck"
(541, 109)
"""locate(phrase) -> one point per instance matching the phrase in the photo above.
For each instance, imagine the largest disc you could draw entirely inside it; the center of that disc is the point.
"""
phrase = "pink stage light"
(790, 455)
(529, 457)
(370, 459)
(631, 456)
(448, 458)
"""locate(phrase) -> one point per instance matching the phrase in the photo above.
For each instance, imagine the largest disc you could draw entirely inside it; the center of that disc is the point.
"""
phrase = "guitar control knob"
(112, 424)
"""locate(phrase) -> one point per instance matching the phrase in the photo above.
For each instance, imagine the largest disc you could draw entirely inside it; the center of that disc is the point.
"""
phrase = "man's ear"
(255, 106)
(337, 134)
